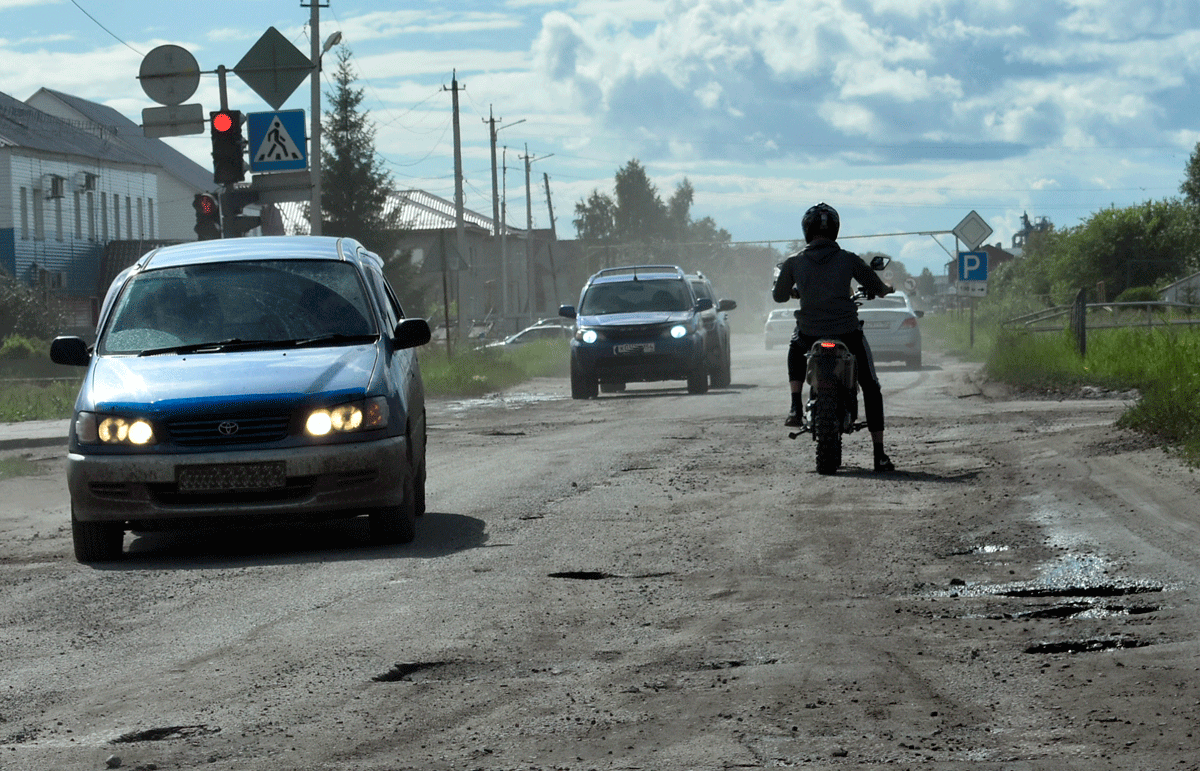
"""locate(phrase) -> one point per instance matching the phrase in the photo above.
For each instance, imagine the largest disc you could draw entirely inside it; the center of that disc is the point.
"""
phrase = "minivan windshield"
(638, 296)
(227, 304)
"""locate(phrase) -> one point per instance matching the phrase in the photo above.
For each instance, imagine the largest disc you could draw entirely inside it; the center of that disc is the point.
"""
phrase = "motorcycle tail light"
(827, 344)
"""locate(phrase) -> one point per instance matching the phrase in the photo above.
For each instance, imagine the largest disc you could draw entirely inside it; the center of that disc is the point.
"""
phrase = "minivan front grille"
(224, 431)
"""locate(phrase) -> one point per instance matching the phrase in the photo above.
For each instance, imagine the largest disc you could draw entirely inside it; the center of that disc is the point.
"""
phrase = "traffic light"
(233, 200)
(208, 216)
(229, 164)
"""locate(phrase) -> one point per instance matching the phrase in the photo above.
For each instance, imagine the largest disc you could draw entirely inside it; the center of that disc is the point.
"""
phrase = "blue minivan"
(247, 380)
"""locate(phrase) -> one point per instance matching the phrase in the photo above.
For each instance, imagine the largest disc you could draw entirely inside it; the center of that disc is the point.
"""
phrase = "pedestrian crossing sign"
(277, 141)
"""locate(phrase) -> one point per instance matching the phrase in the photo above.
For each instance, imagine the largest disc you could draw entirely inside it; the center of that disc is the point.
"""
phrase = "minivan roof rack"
(643, 268)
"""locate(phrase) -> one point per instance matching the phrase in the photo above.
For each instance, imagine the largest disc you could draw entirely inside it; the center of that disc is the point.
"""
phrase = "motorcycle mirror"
(880, 261)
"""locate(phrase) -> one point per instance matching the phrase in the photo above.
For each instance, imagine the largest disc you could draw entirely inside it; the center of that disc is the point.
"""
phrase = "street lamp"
(314, 214)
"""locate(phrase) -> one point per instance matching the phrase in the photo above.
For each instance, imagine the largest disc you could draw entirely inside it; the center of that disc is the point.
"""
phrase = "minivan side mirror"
(726, 305)
(567, 311)
(72, 351)
(704, 304)
(410, 333)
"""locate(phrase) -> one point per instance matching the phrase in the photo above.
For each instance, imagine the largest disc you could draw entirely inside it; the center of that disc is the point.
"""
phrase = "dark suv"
(716, 324)
(640, 323)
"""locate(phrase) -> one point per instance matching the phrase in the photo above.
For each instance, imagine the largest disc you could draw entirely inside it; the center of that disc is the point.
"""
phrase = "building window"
(58, 218)
(116, 217)
(91, 215)
(78, 216)
(39, 216)
(25, 213)
(104, 216)
(150, 210)
(129, 218)
(141, 220)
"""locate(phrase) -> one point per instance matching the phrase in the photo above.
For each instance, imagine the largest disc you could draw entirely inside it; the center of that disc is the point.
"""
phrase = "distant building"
(1185, 290)
(425, 228)
(79, 186)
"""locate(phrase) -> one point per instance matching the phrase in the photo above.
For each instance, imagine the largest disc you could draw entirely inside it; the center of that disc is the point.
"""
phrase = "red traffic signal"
(229, 165)
(208, 216)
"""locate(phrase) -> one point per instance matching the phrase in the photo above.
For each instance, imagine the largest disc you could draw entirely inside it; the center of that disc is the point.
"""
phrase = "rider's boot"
(883, 463)
(795, 417)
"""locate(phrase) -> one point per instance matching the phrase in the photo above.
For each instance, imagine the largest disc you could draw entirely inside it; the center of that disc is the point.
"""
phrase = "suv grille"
(641, 331)
(223, 431)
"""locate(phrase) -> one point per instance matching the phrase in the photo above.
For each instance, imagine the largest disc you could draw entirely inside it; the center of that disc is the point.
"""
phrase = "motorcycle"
(832, 379)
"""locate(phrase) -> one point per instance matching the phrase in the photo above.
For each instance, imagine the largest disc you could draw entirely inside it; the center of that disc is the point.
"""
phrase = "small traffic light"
(233, 201)
(208, 216)
(229, 164)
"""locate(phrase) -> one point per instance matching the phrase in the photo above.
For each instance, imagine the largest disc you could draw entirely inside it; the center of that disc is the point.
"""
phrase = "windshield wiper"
(334, 338)
(233, 343)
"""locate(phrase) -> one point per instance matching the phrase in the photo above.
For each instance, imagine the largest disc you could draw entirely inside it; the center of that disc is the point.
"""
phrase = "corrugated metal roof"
(28, 127)
(411, 210)
(152, 150)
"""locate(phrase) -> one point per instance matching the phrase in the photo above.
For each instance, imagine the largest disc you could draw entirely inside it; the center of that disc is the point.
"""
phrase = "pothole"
(583, 575)
(165, 734)
(736, 663)
(403, 671)
(1087, 646)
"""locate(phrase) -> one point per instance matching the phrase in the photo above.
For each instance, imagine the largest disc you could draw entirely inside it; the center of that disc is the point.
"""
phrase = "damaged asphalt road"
(647, 580)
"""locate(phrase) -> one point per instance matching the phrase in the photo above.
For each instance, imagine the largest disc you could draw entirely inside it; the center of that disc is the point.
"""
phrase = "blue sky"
(904, 114)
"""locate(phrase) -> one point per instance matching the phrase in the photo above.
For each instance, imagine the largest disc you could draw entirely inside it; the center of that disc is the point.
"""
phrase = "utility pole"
(314, 152)
(553, 233)
(459, 224)
(497, 220)
(530, 273)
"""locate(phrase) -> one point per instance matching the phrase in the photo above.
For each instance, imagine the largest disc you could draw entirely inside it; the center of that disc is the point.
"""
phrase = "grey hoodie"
(821, 274)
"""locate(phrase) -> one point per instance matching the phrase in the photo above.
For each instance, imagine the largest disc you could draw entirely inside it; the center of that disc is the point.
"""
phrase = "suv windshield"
(641, 295)
(266, 301)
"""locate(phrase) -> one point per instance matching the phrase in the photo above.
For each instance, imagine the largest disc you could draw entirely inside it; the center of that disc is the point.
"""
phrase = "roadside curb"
(34, 433)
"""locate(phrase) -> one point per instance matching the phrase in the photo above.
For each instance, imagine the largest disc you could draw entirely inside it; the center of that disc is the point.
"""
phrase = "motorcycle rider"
(819, 276)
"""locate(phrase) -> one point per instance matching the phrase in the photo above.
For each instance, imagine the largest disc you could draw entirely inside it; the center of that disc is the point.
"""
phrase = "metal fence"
(1081, 316)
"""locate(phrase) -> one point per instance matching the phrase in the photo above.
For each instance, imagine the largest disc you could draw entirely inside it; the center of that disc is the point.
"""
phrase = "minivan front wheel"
(96, 541)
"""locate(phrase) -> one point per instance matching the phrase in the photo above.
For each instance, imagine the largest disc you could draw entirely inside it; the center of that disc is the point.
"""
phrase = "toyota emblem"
(228, 428)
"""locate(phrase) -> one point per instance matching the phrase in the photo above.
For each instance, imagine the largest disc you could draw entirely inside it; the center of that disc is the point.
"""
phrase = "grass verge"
(1159, 362)
(487, 370)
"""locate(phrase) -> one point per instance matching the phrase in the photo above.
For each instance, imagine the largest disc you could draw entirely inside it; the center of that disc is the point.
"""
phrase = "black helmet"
(820, 220)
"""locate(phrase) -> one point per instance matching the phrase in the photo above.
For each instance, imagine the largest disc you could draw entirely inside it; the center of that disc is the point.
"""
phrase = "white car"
(890, 326)
(781, 323)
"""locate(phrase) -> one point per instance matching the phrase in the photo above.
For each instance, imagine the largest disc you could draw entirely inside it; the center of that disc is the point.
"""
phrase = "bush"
(22, 348)
(1138, 294)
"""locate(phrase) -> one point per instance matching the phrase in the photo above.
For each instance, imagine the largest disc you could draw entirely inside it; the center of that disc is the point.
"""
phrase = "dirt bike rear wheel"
(827, 433)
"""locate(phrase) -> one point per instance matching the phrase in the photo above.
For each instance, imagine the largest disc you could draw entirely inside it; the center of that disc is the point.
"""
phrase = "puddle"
(583, 575)
(1087, 646)
(510, 401)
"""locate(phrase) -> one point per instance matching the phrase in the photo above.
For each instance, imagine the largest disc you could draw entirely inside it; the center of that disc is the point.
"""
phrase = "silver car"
(890, 326)
(248, 379)
(781, 323)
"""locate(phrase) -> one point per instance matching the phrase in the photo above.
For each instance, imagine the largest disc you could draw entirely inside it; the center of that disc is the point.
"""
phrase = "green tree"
(355, 187)
(1191, 179)
(926, 284)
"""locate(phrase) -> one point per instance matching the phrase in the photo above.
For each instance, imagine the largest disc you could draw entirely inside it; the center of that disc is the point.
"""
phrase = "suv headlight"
(588, 336)
(679, 330)
(91, 428)
(359, 415)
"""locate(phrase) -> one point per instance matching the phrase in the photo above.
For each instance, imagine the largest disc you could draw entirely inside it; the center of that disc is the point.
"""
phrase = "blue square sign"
(277, 141)
(972, 266)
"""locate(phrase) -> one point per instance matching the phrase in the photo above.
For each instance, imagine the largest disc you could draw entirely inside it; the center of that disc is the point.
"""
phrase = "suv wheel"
(583, 386)
(722, 376)
(698, 380)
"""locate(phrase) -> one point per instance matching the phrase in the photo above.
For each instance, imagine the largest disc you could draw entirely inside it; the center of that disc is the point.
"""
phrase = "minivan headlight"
(91, 428)
(359, 415)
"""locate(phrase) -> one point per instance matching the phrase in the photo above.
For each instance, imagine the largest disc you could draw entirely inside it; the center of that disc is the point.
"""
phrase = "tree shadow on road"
(438, 535)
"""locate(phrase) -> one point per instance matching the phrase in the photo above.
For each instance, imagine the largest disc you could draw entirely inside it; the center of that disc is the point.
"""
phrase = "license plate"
(877, 325)
(635, 348)
(217, 477)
